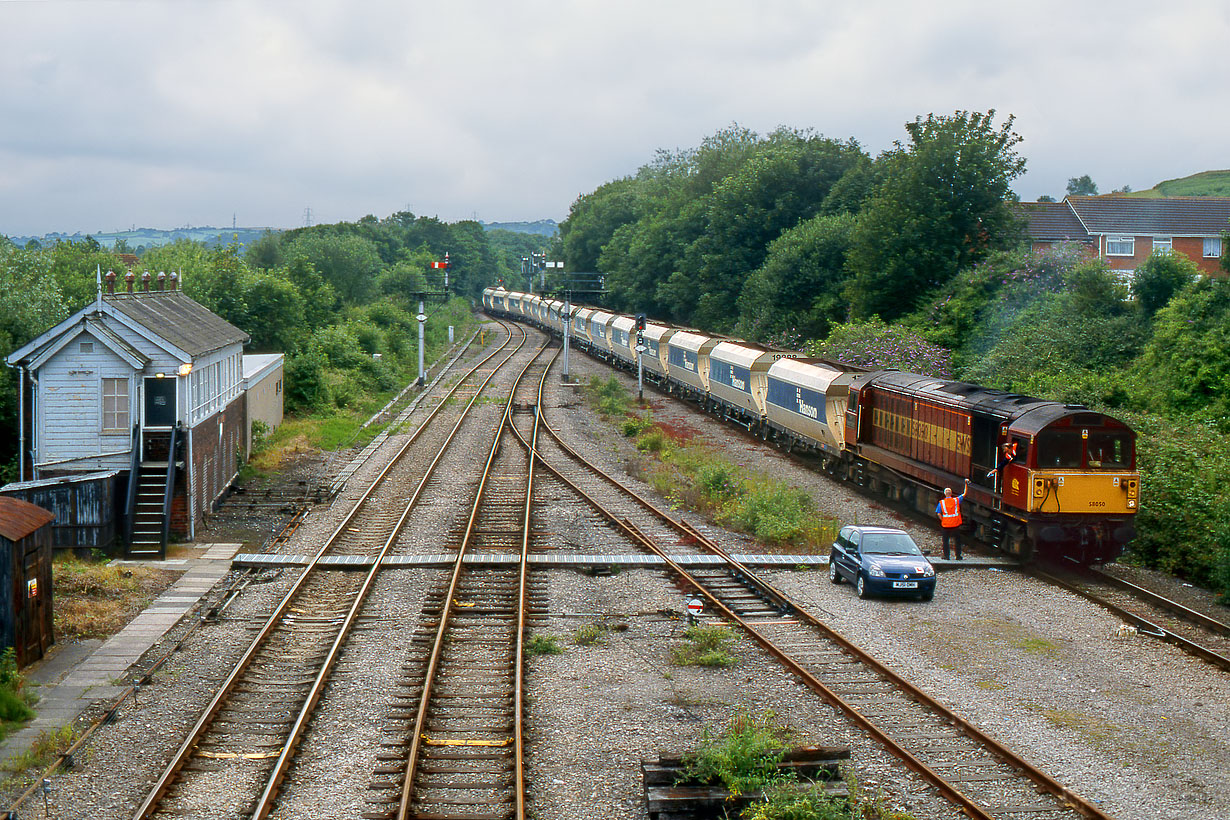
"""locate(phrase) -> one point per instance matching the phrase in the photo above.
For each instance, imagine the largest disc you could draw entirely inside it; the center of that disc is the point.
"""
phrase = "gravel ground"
(1133, 724)
(1126, 721)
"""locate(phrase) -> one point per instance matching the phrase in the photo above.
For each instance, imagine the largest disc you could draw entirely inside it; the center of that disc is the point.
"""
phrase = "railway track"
(1147, 612)
(453, 745)
(972, 770)
(243, 744)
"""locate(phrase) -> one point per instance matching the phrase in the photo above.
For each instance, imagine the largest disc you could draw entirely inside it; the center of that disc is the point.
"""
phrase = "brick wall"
(215, 446)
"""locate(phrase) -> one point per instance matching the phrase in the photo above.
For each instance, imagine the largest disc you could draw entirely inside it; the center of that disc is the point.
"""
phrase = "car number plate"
(905, 585)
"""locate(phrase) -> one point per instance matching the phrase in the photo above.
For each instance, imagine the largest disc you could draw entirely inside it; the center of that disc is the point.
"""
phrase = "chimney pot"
(162, 280)
(129, 278)
(145, 282)
(110, 282)
(173, 280)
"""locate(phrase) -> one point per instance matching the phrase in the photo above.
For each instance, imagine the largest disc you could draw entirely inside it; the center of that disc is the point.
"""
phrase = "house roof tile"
(1052, 222)
(1175, 216)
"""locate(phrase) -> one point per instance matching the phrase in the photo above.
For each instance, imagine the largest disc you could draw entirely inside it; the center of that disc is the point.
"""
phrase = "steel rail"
(433, 663)
(184, 753)
(523, 605)
(264, 803)
(1143, 625)
(1161, 601)
(973, 809)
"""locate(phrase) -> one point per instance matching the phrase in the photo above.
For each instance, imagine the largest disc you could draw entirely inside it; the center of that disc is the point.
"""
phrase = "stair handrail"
(134, 478)
(170, 489)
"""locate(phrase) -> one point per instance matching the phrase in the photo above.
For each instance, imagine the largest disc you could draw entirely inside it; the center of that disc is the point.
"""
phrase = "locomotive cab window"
(1059, 449)
(1110, 451)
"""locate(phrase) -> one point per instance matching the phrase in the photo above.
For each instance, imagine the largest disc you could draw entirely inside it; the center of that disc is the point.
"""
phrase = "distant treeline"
(331, 297)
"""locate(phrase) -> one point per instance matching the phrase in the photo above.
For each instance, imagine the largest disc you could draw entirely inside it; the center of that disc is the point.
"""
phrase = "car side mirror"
(926, 552)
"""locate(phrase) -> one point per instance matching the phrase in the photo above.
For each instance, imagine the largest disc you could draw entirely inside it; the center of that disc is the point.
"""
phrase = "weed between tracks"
(543, 645)
(693, 476)
(707, 646)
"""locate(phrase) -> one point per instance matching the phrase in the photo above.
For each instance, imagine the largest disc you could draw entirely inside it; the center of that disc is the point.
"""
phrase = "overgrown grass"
(710, 646)
(609, 396)
(590, 634)
(96, 600)
(543, 645)
(695, 477)
(744, 758)
(15, 700)
(43, 751)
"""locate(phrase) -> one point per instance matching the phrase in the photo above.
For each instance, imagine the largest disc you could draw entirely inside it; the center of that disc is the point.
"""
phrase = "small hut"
(25, 579)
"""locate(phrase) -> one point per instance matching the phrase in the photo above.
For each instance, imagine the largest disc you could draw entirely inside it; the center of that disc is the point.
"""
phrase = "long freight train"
(1047, 479)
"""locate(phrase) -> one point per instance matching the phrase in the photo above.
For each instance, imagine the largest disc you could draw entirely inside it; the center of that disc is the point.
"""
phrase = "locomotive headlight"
(1039, 487)
(1131, 488)
(876, 571)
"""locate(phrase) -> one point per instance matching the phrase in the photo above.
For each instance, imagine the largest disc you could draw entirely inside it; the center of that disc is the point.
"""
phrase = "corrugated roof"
(1052, 222)
(1175, 216)
(177, 319)
(20, 518)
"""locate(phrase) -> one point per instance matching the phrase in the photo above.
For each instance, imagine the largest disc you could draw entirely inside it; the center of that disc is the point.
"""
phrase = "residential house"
(1125, 230)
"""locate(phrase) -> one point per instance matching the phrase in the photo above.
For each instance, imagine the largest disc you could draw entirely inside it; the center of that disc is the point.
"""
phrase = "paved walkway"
(77, 674)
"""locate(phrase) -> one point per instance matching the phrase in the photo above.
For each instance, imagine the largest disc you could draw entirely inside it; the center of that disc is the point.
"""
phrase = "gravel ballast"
(1134, 725)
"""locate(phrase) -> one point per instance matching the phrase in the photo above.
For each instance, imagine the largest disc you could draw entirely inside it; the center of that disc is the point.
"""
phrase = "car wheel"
(834, 575)
(862, 586)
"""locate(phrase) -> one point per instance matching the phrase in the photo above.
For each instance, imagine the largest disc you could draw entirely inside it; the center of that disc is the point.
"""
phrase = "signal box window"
(115, 405)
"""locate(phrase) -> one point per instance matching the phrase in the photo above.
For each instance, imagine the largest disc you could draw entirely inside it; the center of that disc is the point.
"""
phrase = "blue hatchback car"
(881, 561)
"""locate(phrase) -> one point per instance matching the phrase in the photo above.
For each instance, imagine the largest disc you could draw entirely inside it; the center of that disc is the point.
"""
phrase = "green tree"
(275, 314)
(347, 262)
(1186, 363)
(942, 205)
(265, 252)
(783, 182)
(797, 292)
(1082, 186)
(1159, 278)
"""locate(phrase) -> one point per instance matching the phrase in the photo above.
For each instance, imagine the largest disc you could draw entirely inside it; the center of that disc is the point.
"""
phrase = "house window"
(115, 405)
(1212, 247)
(87, 347)
(1120, 246)
(1163, 244)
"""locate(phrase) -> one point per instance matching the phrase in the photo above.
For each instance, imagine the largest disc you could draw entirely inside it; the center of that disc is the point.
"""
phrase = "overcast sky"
(165, 113)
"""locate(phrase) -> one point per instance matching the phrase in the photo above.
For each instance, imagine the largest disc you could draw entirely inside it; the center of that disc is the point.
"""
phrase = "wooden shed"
(25, 579)
(87, 510)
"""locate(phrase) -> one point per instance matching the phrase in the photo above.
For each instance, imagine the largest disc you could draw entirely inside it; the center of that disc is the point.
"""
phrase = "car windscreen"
(889, 543)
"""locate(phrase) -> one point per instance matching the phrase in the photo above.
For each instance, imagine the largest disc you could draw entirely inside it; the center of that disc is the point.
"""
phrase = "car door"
(852, 561)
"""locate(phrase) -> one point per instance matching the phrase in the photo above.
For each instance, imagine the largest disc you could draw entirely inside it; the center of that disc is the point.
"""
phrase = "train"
(1047, 480)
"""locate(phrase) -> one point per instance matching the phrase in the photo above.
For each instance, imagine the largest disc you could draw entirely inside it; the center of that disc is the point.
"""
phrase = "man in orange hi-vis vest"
(949, 511)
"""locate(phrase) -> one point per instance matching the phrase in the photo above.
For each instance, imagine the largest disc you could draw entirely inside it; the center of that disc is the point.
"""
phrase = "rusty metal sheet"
(20, 518)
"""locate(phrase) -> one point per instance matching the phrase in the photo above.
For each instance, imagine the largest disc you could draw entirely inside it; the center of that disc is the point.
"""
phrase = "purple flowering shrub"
(874, 344)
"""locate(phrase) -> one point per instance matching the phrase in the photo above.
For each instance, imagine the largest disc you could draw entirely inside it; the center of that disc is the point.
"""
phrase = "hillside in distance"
(1205, 183)
(542, 227)
(140, 239)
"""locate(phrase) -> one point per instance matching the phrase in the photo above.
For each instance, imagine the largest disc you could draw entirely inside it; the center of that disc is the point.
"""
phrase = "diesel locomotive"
(1046, 479)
